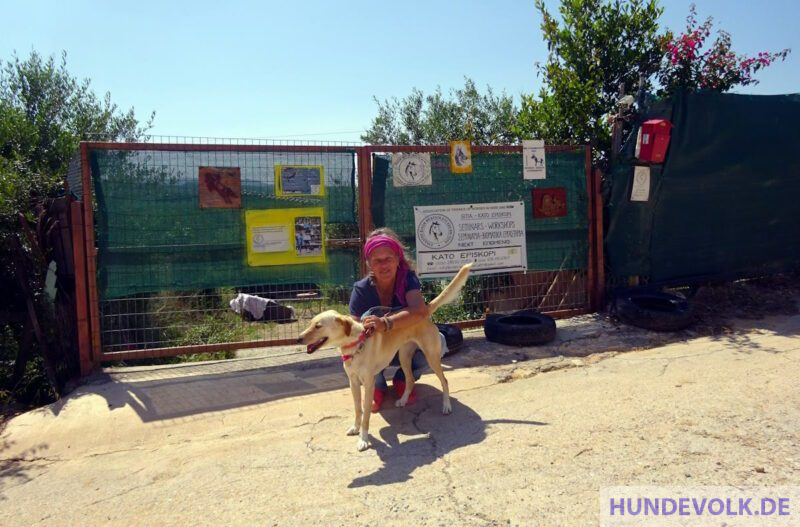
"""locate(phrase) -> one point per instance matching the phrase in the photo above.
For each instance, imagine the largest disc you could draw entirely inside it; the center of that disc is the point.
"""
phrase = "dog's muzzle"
(314, 346)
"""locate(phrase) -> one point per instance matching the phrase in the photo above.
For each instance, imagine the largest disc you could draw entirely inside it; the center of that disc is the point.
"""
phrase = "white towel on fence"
(255, 305)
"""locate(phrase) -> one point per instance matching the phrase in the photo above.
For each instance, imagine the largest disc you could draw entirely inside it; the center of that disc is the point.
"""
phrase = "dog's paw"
(446, 408)
(352, 431)
(362, 445)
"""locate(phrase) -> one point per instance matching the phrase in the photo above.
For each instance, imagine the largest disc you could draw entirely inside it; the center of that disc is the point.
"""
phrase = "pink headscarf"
(381, 240)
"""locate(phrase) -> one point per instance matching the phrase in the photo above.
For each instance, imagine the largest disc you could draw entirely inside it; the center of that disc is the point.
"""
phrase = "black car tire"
(652, 310)
(522, 328)
(452, 336)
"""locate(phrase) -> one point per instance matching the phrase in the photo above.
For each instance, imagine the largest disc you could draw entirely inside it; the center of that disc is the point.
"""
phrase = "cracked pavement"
(535, 432)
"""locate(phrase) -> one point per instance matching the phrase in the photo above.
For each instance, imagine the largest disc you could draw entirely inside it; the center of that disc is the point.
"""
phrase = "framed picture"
(220, 188)
(308, 236)
(299, 180)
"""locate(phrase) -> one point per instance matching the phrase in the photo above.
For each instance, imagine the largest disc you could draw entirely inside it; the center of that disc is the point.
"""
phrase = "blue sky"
(308, 70)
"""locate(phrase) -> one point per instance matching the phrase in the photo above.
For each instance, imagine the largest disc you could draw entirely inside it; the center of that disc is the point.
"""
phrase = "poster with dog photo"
(308, 236)
(460, 157)
(411, 170)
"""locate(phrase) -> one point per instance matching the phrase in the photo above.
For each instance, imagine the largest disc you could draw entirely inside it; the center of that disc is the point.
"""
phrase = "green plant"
(467, 307)
(44, 114)
(686, 66)
(484, 119)
(594, 48)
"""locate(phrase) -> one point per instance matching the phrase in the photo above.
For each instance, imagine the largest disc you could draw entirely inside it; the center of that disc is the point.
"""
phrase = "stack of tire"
(452, 336)
(653, 310)
(521, 328)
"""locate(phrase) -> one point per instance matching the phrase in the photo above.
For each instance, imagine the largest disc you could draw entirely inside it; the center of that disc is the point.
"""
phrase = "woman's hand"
(375, 323)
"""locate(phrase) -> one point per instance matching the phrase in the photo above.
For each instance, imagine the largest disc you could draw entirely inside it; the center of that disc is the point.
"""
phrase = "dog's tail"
(450, 292)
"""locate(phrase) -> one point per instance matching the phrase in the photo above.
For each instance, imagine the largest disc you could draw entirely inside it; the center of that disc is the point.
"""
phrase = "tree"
(685, 66)
(44, 113)
(485, 119)
(596, 48)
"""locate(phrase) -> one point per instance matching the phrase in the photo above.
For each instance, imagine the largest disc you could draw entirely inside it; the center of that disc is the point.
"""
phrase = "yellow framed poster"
(299, 180)
(285, 236)
(460, 157)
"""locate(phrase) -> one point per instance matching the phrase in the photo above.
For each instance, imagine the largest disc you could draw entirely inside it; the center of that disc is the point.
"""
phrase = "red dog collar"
(360, 340)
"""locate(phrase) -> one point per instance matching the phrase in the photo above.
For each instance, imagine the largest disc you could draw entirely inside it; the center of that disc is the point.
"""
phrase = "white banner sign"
(492, 235)
(533, 159)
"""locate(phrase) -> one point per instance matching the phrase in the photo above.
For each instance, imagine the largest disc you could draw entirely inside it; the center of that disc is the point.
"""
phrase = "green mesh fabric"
(153, 236)
(552, 243)
(724, 203)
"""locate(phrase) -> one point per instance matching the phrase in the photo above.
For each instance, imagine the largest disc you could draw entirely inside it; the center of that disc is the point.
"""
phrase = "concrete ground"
(534, 434)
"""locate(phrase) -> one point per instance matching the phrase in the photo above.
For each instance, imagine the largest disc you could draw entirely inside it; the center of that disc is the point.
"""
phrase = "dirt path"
(534, 435)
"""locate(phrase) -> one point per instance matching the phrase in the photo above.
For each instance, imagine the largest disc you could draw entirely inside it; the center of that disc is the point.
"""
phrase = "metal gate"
(165, 249)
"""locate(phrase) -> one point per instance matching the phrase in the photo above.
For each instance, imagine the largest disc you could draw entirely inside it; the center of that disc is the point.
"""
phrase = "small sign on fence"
(285, 236)
(533, 159)
(304, 180)
(549, 202)
(641, 184)
(492, 235)
(411, 169)
(220, 188)
(460, 157)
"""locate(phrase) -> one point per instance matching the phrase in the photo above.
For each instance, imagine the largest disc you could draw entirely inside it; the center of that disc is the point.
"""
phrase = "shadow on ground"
(179, 392)
(16, 471)
(184, 390)
(432, 436)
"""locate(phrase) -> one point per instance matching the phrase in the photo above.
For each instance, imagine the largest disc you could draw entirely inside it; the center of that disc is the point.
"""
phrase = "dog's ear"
(347, 323)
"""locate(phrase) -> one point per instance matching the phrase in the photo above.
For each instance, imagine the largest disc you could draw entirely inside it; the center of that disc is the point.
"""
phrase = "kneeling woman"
(390, 297)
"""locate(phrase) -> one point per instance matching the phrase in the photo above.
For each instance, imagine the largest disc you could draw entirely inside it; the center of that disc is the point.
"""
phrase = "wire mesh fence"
(187, 234)
(170, 223)
(557, 240)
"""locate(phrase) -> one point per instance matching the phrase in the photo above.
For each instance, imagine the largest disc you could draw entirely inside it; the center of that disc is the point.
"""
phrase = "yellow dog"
(364, 356)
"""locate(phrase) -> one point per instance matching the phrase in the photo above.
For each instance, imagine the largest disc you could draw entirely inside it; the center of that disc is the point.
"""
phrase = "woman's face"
(383, 263)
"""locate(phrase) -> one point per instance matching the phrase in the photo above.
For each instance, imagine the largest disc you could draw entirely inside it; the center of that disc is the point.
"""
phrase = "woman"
(389, 297)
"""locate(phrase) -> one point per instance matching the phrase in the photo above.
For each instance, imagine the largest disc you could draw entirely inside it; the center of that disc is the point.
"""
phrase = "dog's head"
(329, 327)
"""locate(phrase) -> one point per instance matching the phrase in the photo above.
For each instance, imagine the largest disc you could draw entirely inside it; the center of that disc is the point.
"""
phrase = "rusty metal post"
(591, 276)
(90, 255)
(81, 293)
(600, 277)
(364, 198)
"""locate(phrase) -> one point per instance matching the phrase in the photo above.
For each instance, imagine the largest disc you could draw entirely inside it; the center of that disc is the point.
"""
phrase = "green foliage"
(596, 47)
(467, 307)
(32, 388)
(44, 114)
(484, 119)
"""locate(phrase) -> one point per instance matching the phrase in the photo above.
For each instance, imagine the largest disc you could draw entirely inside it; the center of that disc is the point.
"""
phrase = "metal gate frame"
(85, 250)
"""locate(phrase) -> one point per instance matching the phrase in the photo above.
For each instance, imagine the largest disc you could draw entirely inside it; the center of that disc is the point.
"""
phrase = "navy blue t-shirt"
(365, 295)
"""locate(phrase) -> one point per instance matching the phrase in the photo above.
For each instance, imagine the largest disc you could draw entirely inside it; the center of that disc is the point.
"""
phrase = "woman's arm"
(355, 305)
(416, 311)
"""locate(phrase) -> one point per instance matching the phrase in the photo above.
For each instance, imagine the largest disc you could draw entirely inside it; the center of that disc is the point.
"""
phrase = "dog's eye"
(318, 325)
